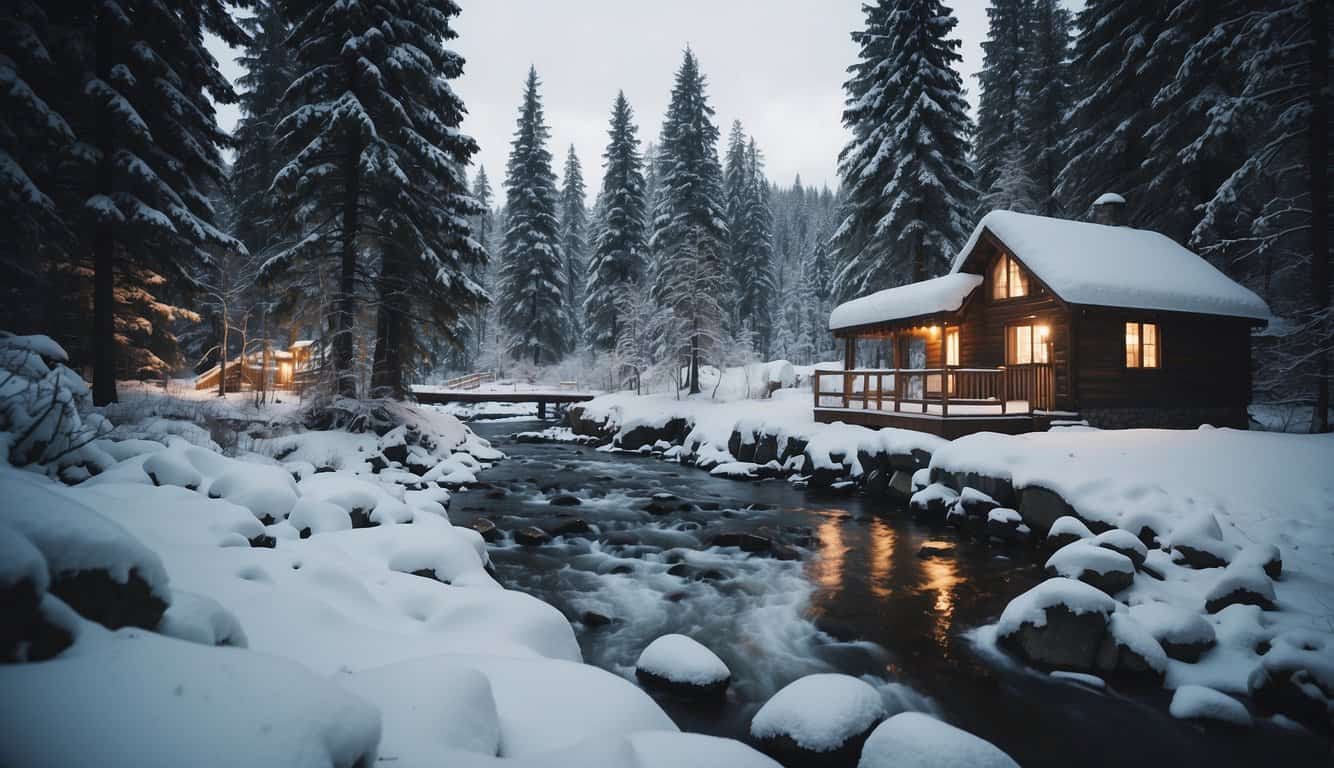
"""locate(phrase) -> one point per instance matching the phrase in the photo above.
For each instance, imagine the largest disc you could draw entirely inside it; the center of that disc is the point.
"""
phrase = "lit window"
(1028, 344)
(1008, 280)
(1142, 345)
(951, 346)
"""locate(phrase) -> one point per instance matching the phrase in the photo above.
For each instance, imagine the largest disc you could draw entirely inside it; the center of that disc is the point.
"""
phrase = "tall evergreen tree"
(910, 197)
(690, 222)
(736, 190)
(118, 99)
(372, 135)
(574, 245)
(1001, 92)
(532, 272)
(756, 300)
(1047, 94)
(619, 246)
(1106, 145)
(268, 72)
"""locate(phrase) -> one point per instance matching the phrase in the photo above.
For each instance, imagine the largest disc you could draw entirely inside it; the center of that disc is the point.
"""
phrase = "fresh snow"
(819, 712)
(1031, 607)
(1102, 265)
(1196, 702)
(680, 659)
(915, 740)
(940, 294)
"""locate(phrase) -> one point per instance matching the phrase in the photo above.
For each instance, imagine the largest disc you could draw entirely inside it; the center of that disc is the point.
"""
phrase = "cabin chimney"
(1110, 209)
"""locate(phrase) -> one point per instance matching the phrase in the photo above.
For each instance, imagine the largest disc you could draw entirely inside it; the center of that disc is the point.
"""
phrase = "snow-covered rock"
(1296, 678)
(1059, 623)
(1065, 530)
(199, 619)
(680, 664)
(269, 492)
(1196, 702)
(1130, 649)
(1108, 570)
(1244, 585)
(1184, 634)
(310, 516)
(915, 740)
(817, 717)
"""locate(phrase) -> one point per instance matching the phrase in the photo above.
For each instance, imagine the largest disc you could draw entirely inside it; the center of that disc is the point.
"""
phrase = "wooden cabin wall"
(1205, 361)
(982, 330)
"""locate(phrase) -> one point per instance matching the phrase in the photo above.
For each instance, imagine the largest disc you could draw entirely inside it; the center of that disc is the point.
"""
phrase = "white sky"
(777, 65)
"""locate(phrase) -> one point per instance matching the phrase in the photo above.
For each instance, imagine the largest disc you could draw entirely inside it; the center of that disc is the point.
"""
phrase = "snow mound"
(915, 740)
(311, 516)
(1196, 702)
(1031, 607)
(1074, 559)
(193, 705)
(819, 712)
(20, 561)
(429, 710)
(680, 659)
(737, 470)
(171, 468)
(199, 619)
(268, 492)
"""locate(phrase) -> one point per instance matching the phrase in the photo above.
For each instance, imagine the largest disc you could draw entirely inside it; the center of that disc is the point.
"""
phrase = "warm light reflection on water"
(828, 566)
(941, 577)
(881, 558)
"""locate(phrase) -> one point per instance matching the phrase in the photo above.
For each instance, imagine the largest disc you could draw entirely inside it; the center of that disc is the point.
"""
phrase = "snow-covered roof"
(1086, 263)
(303, 343)
(940, 294)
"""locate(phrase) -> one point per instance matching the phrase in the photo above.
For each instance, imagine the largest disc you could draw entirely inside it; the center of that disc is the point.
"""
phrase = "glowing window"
(951, 346)
(1028, 344)
(1008, 280)
(1142, 346)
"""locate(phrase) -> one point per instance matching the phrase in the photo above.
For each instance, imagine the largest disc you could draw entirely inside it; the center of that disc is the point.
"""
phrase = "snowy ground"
(293, 634)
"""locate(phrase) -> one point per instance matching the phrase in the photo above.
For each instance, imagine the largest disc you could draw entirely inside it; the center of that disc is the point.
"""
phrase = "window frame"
(1048, 345)
(1139, 339)
(952, 332)
(1008, 265)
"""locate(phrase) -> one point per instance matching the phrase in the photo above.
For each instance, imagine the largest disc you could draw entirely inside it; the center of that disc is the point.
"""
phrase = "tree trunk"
(387, 363)
(1318, 162)
(345, 382)
(222, 355)
(694, 359)
(104, 246)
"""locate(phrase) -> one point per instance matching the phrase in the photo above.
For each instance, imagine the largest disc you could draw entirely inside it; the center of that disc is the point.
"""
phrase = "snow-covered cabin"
(284, 369)
(1041, 318)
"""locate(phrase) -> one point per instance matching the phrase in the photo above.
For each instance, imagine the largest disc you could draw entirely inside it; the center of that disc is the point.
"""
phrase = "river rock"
(900, 486)
(565, 500)
(748, 542)
(1296, 679)
(915, 740)
(485, 527)
(1183, 635)
(931, 503)
(1105, 569)
(531, 536)
(1041, 508)
(1130, 650)
(1005, 524)
(1123, 543)
(1266, 556)
(818, 720)
(935, 550)
(766, 449)
(569, 526)
(1243, 585)
(682, 666)
(593, 619)
(1058, 624)
(1065, 530)
(1202, 554)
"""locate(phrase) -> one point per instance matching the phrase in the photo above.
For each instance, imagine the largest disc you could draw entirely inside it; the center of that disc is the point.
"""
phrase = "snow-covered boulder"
(199, 619)
(269, 492)
(1197, 702)
(736, 470)
(1125, 543)
(1005, 524)
(172, 468)
(1108, 570)
(23, 584)
(1067, 529)
(915, 740)
(933, 502)
(430, 710)
(1184, 634)
(681, 665)
(1059, 623)
(94, 565)
(1266, 556)
(191, 705)
(1241, 585)
(818, 719)
(1130, 649)
(310, 516)
(1296, 678)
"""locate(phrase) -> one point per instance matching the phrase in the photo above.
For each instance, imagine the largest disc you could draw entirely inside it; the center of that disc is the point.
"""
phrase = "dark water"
(859, 600)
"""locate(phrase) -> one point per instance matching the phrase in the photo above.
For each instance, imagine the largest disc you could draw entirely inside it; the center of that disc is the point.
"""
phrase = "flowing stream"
(859, 600)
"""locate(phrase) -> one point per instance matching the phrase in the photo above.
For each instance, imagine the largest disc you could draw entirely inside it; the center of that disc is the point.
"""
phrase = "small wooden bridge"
(483, 388)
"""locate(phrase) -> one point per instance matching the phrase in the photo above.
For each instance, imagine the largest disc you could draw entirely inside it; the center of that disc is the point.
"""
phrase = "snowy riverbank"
(305, 601)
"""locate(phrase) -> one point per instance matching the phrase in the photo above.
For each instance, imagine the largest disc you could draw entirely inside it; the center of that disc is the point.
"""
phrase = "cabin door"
(916, 354)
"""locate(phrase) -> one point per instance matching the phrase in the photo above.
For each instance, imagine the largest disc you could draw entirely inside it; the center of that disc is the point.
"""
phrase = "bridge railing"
(471, 380)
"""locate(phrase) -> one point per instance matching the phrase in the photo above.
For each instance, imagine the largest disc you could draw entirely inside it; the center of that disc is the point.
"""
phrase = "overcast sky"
(776, 65)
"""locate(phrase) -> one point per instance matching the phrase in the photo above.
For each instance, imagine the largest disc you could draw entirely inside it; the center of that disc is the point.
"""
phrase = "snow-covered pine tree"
(1046, 98)
(1012, 189)
(1000, 100)
(1280, 191)
(690, 224)
(373, 161)
(531, 289)
(483, 225)
(1106, 146)
(909, 193)
(574, 245)
(694, 299)
(268, 72)
(753, 268)
(736, 192)
(619, 245)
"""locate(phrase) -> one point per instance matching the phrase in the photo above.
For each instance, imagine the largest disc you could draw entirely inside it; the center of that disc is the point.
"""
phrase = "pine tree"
(1106, 144)
(371, 136)
(484, 225)
(736, 192)
(1001, 93)
(268, 72)
(690, 226)
(574, 245)
(1047, 92)
(619, 245)
(910, 199)
(753, 265)
(532, 277)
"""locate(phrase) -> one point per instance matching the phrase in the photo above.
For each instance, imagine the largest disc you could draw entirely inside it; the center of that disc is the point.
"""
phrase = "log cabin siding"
(1205, 361)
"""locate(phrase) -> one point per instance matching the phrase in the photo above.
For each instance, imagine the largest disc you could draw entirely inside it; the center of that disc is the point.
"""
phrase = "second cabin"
(1041, 319)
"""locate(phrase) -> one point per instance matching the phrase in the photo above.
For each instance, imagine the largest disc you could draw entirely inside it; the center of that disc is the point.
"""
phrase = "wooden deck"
(948, 427)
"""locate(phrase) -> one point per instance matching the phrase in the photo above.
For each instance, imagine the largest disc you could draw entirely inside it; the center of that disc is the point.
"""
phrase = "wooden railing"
(471, 381)
(969, 391)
